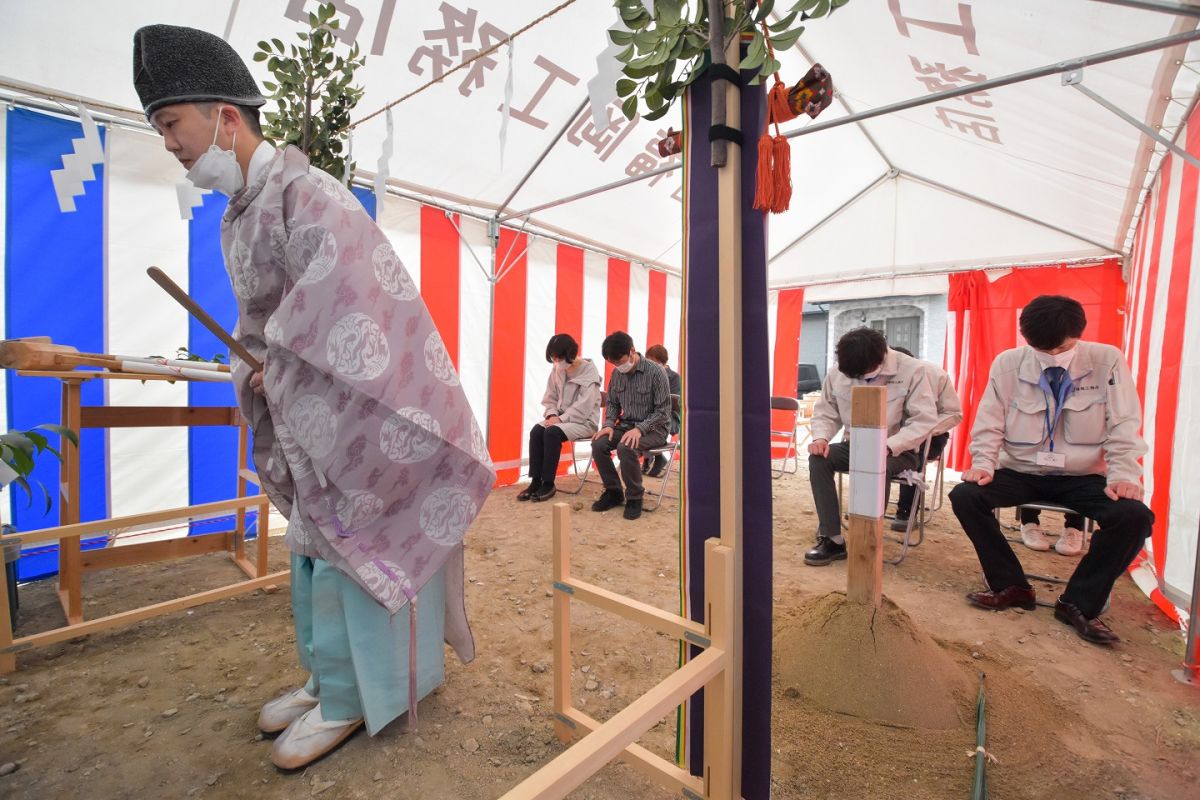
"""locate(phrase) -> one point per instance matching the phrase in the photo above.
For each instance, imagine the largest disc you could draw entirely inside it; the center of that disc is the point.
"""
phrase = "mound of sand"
(873, 665)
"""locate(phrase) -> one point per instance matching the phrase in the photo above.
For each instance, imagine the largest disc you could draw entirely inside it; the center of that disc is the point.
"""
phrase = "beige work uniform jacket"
(1097, 432)
(911, 403)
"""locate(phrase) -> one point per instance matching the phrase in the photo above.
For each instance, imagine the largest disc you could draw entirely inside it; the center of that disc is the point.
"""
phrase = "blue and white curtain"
(80, 277)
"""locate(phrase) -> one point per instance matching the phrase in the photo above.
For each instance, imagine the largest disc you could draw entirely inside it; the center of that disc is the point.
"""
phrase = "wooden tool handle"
(193, 308)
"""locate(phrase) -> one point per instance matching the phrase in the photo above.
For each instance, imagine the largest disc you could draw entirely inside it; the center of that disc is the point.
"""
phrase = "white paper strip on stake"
(381, 170)
(869, 453)
(190, 196)
(866, 494)
(78, 165)
(506, 109)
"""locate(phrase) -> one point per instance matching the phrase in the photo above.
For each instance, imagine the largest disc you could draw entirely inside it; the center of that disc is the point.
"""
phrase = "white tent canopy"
(1031, 172)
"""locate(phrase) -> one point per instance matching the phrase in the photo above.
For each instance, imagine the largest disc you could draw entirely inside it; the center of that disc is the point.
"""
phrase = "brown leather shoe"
(1019, 596)
(1093, 630)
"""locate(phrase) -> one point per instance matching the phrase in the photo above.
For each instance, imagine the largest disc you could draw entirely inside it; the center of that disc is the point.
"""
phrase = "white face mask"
(1062, 359)
(561, 366)
(624, 368)
(218, 169)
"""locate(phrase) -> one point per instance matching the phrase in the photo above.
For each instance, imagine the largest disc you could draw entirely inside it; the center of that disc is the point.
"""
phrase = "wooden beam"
(8, 661)
(674, 777)
(562, 620)
(729, 281)
(566, 772)
(720, 781)
(635, 610)
(864, 560)
(134, 520)
(147, 552)
(157, 416)
(129, 617)
(868, 466)
(70, 571)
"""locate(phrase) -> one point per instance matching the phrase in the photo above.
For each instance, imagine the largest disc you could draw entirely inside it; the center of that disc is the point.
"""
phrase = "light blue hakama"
(357, 655)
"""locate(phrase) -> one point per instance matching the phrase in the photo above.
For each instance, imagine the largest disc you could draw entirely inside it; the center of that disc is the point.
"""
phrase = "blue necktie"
(1054, 376)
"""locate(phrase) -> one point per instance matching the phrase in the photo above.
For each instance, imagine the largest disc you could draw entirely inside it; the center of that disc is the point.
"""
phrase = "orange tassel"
(778, 108)
(764, 185)
(781, 191)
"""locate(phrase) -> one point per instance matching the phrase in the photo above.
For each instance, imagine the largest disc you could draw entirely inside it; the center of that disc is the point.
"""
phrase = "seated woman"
(571, 411)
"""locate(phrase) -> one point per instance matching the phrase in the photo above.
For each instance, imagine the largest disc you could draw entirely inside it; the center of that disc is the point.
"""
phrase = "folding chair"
(785, 414)
(670, 450)
(1089, 527)
(583, 477)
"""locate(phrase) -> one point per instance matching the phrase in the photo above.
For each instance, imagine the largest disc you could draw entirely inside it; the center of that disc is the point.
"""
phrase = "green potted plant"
(19, 452)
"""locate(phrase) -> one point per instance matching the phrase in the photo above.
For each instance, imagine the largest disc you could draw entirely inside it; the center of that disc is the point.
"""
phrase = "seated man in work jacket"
(1059, 424)
(864, 359)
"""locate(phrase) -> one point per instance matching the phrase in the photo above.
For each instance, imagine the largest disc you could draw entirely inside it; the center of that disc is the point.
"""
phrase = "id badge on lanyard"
(1049, 458)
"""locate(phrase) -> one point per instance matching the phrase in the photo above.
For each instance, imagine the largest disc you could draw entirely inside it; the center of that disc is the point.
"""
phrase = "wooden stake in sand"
(868, 474)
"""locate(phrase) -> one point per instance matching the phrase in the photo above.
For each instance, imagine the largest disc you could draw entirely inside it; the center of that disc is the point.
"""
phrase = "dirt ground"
(167, 707)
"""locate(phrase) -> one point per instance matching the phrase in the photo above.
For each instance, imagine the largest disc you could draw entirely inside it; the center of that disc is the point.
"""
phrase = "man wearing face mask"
(637, 416)
(1058, 423)
(363, 437)
(864, 359)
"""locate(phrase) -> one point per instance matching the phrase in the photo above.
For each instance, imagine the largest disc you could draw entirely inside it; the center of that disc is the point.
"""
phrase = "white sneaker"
(1070, 543)
(1033, 537)
(309, 737)
(279, 713)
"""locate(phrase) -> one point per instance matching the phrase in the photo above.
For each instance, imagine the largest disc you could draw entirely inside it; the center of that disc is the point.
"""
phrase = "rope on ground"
(476, 57)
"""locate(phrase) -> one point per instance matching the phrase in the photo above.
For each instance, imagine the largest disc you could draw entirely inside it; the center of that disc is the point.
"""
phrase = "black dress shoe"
(900, 524)
(543, 494)
(530, 490)
(825, 553)
(646, 464)
(659, 467)
(1093, 630)
(1019, 596)
(610, 498)
(633, 509)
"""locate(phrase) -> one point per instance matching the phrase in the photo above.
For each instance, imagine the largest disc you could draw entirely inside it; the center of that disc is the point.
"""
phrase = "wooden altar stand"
(74, 562)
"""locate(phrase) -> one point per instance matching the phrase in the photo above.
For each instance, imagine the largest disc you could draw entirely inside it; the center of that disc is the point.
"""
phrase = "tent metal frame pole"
(1005, 80)
(1190, 672)
(529, 173)
(915, 102)
(1069, 79)
(1156, 5)
(1004, 209)
(588, 193)
(1070, 263)
(891, 173)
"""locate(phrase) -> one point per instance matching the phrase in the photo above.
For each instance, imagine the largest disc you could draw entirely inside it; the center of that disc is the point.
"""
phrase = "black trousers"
(1124, 524)
(904, 502)
(629, 458)
(545, 449)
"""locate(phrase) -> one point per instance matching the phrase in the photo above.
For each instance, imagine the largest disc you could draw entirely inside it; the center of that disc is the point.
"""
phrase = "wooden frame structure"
(616, 738)
(74, 562)
(718, 670)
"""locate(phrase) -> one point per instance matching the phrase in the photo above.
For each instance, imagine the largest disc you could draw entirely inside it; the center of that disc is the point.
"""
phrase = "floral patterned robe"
(364, 437)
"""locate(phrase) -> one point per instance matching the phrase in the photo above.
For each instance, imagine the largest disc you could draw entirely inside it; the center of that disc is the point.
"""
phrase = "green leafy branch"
(19, 451)
(664, 53)
(313, 92)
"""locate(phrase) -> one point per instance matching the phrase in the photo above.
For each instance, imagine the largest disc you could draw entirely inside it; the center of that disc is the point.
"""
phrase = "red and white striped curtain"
(498, 343)
(1162, 344)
